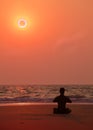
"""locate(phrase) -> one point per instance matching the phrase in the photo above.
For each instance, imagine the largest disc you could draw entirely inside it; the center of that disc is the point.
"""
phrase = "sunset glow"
(46, 42)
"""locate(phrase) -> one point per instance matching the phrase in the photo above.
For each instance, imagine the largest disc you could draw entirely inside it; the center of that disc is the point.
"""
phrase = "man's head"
(62, 90)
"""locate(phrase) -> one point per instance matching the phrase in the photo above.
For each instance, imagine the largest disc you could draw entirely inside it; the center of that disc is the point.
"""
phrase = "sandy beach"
(41, 117)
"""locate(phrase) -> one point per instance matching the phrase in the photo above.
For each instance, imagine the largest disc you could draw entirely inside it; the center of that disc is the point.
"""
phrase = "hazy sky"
(56, 48)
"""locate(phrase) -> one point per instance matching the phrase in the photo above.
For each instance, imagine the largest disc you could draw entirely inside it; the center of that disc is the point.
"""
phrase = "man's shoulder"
(57, 97)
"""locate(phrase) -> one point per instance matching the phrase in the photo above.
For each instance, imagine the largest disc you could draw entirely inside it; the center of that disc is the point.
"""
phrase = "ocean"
(44, 93)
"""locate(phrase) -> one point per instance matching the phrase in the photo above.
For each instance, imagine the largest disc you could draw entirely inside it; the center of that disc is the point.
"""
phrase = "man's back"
(62, 100)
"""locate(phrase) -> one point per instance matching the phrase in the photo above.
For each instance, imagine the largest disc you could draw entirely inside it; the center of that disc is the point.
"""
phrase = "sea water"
(44, 93)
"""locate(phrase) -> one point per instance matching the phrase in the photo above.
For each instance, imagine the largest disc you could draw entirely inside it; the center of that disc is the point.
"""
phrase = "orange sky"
(56, 48)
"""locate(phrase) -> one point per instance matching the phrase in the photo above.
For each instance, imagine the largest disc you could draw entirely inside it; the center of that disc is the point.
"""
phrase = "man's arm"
(68, 100)
(55, 99)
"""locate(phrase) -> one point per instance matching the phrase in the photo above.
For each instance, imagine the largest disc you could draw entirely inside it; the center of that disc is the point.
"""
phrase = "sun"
(22, 23)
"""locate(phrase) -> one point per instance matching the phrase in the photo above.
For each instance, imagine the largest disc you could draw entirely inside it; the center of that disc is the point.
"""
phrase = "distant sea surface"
(44, 93)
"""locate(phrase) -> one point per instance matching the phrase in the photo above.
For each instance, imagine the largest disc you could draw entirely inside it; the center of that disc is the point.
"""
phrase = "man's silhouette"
(62, 100)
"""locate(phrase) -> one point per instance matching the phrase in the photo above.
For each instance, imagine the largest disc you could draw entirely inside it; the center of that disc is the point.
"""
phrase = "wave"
(75, 99)
(44, 93)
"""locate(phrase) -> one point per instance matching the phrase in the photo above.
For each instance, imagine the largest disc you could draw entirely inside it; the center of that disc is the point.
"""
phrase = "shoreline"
(36, 103)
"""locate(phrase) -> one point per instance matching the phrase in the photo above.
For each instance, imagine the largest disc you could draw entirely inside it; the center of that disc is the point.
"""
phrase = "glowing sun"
(22, 23)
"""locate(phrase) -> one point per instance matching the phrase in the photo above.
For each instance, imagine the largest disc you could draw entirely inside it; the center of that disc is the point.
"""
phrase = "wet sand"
(40, 117)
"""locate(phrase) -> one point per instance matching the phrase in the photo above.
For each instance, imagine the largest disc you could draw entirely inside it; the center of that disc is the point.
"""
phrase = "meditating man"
(62, 100)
